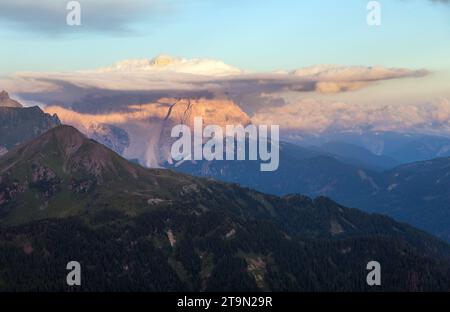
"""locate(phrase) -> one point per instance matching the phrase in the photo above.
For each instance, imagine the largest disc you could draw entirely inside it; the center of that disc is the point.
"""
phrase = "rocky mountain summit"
(19, 124)
(6, 101)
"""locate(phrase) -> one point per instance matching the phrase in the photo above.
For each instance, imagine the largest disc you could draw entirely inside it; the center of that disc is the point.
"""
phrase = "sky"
(298, 63)
(250, 34)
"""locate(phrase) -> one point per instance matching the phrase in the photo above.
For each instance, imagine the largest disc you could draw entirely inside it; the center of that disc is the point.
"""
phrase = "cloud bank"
(311, 115)
(113, 93)
(168, 76)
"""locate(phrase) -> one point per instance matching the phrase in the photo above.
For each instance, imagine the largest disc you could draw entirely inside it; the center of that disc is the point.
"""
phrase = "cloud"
(314, 116)
(166, 63)
(173, 77)
(98, 16)
(336, 87)
(332, 73)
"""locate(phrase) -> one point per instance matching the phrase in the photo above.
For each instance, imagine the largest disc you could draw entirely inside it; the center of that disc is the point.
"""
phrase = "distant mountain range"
(64, 197)
(416, 193)
(352, 169)
(357, 155)
(301, 171)
(401, 147)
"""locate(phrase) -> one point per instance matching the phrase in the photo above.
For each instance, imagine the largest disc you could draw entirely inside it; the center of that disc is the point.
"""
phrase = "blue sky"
(250, 34)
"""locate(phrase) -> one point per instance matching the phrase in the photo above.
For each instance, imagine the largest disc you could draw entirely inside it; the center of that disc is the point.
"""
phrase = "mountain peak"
(6, 101)
(72, 150)
(62, 138)
(66, 135)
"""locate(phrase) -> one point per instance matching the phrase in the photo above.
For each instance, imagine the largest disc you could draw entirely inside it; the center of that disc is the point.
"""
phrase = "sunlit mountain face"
(103, 161)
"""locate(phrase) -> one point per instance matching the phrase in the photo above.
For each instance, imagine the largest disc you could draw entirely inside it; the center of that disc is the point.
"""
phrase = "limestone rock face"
(143, 132)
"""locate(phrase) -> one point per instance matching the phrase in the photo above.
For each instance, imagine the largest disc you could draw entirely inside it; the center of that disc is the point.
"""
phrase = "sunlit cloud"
(166, 76)
(317, 116)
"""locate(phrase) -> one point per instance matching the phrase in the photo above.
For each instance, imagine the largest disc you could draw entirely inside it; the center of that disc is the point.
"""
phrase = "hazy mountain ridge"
(358, 156)
(403, 147)
(417, 193)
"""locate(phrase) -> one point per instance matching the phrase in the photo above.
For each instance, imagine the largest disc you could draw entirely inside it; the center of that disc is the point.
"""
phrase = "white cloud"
(355, 73)
(310, 115)
(165, 63)
(179, 74)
